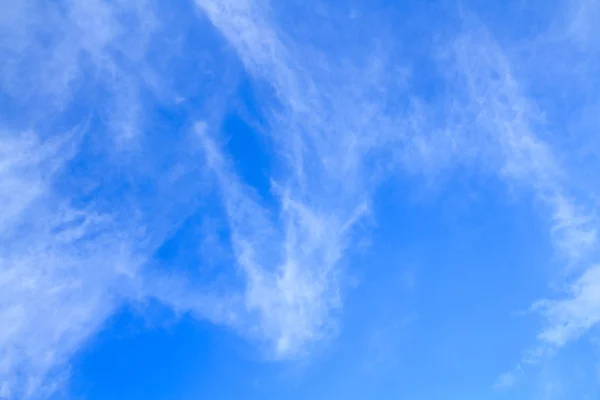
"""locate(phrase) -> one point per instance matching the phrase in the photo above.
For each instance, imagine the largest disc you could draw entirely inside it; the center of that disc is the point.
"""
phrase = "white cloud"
(25, 168)
(510, 121)
(328, 142)
(497, 107)
(68, 261)
(580, 26)
(333, 124)
(336, 131)
(508, 379)
(61, 269)
(575, 312)
(290, 260)
(50, 52)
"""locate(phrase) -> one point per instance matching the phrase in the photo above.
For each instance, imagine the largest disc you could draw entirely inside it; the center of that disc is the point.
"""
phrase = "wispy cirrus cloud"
(528, 137)
(512, 130)
(69, 262)
(327, 132)
(337, 125)
(291, 279)
(54, 53)
(492, 123)
(66, 262)
(60, 268)
(574, 313)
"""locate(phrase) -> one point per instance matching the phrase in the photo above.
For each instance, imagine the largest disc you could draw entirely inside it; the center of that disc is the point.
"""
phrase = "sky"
(252, 199)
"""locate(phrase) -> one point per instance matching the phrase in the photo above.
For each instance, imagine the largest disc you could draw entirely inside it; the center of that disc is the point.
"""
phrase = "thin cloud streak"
(337, 130)
(573, 314)
(61, 269)
(510, 120)
(327, 134)
(66, 265)
(492, 123)
(499, 108)
(289, 259)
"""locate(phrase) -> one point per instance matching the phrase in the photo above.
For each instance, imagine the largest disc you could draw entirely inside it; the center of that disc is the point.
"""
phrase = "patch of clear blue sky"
(433, 288)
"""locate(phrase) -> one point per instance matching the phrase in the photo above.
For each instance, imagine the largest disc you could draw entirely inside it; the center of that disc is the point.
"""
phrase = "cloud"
(330, 123)
(66, 263)
(496, 105)
(25, 169)
(580, 26)
(508, 379)
(79, 223)
(510, 123)
(337, 125)
(52, 54)
(575, 313)
(290, 260)
(61, 268)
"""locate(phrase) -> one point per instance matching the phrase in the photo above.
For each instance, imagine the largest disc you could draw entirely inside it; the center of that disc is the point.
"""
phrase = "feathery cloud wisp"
(61, 269)
(499, 108)
(327, 133)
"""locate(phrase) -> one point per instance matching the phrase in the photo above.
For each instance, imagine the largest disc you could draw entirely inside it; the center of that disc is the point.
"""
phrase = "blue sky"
(244, 199)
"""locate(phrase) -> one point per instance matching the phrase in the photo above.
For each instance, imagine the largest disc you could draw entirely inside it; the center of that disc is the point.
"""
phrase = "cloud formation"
(61, 269)
(527, 134)
(337, 125)
(66, 263)
(326, 133)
